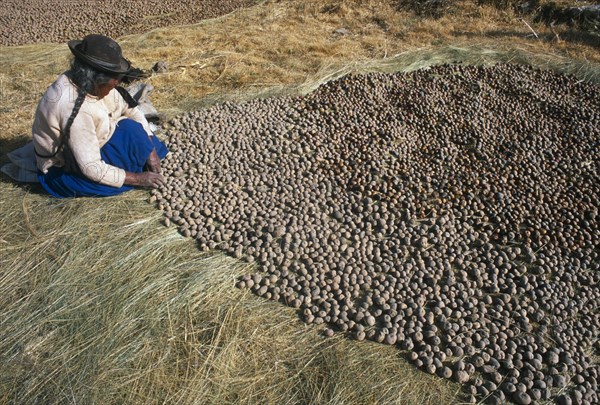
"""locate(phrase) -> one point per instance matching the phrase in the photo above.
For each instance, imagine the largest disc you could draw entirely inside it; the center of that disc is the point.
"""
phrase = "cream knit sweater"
(91, 129)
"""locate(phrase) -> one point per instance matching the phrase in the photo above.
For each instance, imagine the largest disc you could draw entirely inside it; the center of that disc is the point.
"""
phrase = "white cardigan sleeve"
(83, 142)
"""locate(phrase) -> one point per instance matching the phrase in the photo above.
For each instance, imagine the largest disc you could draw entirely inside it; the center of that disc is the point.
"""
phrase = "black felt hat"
(100, 52)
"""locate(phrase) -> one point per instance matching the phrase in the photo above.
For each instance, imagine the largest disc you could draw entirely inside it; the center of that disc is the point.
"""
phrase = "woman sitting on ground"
(90, 139)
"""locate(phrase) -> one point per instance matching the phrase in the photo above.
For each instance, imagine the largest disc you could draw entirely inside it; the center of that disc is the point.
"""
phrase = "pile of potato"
(35, 21)
(452, 212)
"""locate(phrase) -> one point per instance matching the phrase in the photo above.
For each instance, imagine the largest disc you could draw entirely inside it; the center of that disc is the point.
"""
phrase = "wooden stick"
(554, 32)
(529, 26)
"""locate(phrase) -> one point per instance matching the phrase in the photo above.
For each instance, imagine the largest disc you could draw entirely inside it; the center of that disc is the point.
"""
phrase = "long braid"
(70, 161)
(85, 78)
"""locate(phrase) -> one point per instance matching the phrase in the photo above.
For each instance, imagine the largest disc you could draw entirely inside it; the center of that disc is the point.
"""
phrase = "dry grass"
(104, 305)
(276, 46)
(100, 304)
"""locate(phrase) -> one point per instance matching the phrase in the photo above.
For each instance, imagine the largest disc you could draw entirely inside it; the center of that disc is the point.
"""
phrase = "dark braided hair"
(86, 78)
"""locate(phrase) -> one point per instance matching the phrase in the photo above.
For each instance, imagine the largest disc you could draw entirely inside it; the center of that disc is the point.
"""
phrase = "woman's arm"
(85, 148)
(153, 162)
(144, 179)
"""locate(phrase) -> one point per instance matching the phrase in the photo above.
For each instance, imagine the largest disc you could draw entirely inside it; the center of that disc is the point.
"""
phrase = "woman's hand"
(153, 162)
(144, 179)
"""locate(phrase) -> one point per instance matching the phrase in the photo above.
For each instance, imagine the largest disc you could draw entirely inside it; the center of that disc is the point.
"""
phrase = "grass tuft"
(99, 301)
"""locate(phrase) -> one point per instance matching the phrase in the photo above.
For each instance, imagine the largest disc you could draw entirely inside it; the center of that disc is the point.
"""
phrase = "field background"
(99, 303)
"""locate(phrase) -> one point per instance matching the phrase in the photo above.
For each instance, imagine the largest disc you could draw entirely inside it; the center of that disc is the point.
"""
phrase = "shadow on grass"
(7, 146)
(586, 38)
(32, 188)
(580, 37)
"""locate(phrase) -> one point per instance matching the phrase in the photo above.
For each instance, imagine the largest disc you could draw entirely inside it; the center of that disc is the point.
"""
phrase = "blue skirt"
(128, 148)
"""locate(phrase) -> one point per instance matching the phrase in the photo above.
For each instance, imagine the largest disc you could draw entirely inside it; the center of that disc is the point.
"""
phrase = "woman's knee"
(131, 126)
